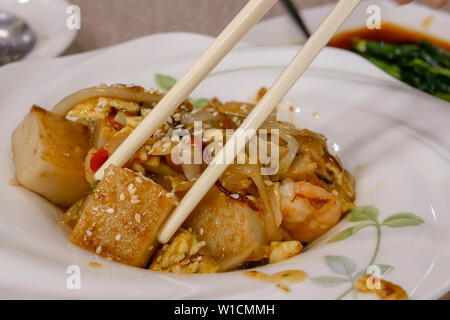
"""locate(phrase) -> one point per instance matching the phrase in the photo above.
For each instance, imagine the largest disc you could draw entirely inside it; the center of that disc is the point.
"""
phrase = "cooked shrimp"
(308, 210)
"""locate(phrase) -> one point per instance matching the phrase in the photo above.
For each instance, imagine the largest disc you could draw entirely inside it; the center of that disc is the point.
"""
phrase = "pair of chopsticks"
(230, 36)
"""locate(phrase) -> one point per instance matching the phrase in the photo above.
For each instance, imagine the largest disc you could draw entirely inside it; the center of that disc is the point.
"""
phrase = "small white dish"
(47, 18)
(395, 140)
(283, 30)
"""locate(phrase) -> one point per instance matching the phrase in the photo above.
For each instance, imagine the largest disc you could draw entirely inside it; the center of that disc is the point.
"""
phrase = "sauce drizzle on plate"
(279, 279)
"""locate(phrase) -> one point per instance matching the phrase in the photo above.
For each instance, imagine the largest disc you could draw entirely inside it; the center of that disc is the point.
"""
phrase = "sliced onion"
(202, 115)
(270, 224)
(275, 196)
(114, 143)
(191, 171)
(121, 118)
(283, 127)
(233, 108)
(136, 93)
(70, 218)
(99, 139)
(293, 146)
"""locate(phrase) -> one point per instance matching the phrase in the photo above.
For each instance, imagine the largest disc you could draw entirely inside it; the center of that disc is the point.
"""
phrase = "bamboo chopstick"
(252, 12)
(290, 75)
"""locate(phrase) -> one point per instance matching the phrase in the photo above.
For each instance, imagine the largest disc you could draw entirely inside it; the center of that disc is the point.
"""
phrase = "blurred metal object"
(294, 13)
(16, 38)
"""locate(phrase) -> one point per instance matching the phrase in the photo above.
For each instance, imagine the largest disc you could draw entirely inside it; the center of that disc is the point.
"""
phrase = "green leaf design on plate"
(384, 268)
(400, 220)
(363, 214)
(329, 281)
(164, 82)
(199, 103)
(350, 231)
(340, 265)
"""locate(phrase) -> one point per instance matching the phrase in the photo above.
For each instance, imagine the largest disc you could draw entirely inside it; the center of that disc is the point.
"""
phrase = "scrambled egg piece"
(97, 108)
(119, 104)
(89, 109)
(134, 121)
(184, 254)
(279, 251)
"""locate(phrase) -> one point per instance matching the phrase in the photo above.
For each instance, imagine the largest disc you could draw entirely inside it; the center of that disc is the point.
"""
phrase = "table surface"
(107, 22)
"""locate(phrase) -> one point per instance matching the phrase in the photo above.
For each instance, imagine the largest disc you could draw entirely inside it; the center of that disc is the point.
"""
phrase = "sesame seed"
(135, 201)
(201, 231)
(137, 217)
(118, 237)
(138, 180)
(98, 250)
(235, 196)
(132, 191)
(130, 187)
(122, 197)
(170, 195)
(89, 233)
(110, 210)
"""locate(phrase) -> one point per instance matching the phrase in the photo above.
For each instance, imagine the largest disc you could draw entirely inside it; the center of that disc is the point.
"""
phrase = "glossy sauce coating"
(389, 32)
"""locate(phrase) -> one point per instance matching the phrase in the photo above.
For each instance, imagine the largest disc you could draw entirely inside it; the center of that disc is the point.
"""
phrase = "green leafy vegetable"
(421, 65)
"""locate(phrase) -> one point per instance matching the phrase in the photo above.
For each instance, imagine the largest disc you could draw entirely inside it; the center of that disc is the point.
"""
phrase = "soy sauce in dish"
(389, 32)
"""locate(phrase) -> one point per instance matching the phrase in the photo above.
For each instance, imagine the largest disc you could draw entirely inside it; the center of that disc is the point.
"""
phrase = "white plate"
(399, 136)
(283, 30)
(48, 19)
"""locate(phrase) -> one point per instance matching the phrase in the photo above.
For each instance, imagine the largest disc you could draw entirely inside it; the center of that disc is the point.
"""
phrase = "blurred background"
(107, 22)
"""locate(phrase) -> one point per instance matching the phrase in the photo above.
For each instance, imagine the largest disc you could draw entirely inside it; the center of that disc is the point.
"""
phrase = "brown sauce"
(14, 183)
(95, 265)
(386, 290)
(389, 32)
(279, 279)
